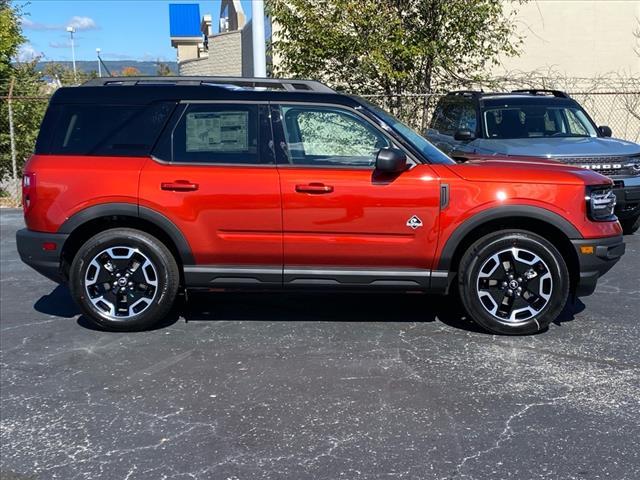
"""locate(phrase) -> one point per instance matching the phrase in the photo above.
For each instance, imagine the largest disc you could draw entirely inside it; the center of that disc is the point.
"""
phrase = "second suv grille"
(606, 165)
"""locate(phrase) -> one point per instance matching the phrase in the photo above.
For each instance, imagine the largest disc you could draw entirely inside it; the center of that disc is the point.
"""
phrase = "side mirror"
(605, 131)
(464, 135)
(391, 160)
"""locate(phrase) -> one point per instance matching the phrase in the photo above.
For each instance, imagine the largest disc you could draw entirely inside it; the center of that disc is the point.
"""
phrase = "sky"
(122, 29)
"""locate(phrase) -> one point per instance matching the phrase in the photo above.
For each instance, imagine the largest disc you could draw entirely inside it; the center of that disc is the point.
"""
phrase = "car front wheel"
(124, 279)
(513, 282)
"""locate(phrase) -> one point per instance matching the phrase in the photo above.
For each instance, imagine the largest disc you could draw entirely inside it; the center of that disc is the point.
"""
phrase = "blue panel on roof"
(184, 20)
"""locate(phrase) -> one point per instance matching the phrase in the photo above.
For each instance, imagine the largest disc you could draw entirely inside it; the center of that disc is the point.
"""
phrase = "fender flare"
(132, 210)
(505, 211)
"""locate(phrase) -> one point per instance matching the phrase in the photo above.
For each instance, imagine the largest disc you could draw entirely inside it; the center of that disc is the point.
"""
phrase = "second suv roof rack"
(537, 91)
(466, 93)
(288, 84)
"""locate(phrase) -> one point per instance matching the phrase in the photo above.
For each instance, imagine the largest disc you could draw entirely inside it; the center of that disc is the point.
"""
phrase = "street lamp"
(99, 66)
(71, 31)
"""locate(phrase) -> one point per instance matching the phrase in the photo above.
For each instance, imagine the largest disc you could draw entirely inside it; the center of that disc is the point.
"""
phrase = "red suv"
(141, 187)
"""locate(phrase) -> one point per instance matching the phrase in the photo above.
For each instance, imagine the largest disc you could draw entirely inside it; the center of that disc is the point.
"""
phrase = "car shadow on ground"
(309, 307)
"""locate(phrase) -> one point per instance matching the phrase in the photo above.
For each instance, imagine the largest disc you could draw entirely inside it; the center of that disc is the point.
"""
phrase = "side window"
(576, 127)
(80, 128)
(468, 119)
(217, 133)
(138, 135)
(327, 136)
(455, 114)
(446, 117)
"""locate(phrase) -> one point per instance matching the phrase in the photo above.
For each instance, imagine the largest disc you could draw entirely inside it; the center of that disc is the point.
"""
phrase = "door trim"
(315, 277)
(232, 276)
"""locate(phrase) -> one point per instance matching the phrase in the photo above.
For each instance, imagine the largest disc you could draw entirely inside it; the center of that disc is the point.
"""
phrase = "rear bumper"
(627, 191)
(605, 253)
(45, 262)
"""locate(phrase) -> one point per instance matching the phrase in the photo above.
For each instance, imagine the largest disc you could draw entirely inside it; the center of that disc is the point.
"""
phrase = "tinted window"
(455, 114)
(118, 130)
(330, 136)
(209, 133)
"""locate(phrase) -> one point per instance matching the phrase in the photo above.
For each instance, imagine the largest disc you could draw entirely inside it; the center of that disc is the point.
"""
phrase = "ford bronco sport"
(538, 123)
(142, 187)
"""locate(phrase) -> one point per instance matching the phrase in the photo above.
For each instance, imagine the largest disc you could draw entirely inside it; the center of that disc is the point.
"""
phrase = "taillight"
(28, 190)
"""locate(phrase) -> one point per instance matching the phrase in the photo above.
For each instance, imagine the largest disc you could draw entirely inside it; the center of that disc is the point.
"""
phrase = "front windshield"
(536, 121)
(430, 152)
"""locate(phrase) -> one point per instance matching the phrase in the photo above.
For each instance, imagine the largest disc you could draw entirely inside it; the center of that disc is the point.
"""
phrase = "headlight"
(633, 165)
(601, 201)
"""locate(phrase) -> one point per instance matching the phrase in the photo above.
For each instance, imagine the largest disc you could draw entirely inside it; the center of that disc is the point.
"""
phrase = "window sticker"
(217, 132)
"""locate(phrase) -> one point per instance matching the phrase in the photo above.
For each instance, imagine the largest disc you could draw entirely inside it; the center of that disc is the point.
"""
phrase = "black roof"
(145, 90)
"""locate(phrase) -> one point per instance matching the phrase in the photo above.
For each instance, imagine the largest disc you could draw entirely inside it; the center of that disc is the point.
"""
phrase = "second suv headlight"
(601, 202)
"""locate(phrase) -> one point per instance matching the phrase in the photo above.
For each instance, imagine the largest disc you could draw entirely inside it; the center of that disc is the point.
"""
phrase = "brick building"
(200, 51)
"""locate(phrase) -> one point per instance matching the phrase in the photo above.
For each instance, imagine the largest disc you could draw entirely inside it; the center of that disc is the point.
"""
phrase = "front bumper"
(595, 258)
(627, 191)
(46, 262)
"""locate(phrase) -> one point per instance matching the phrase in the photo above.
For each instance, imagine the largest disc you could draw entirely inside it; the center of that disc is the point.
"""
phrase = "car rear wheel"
(513, 282)
(630, 225)
(124, 279)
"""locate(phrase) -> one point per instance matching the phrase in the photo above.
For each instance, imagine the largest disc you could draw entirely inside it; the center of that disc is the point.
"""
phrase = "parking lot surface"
(273, 386)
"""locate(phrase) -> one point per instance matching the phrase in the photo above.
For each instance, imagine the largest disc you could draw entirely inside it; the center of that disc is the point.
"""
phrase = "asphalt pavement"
(273, 386)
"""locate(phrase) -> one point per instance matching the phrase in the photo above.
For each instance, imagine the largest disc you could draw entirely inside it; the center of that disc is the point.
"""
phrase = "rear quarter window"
(105, 130)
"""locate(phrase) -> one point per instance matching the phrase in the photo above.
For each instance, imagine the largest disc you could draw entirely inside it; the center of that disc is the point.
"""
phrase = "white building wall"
(576, 38)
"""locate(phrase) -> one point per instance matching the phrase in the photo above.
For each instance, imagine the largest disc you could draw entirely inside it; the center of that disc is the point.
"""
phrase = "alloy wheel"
(514, 285)
(121, 282)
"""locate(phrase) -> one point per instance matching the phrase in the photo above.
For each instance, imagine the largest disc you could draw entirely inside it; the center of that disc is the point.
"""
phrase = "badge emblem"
(414, 222)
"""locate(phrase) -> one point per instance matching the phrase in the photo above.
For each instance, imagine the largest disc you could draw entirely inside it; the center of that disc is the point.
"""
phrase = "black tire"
(155, 265)
(630, 225)
(491, 260)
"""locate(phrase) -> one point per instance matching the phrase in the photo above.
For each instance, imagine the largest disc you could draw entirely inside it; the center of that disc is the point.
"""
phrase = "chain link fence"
(20, 119)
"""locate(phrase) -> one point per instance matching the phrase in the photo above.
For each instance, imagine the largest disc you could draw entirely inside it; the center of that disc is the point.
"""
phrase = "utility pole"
(257, 36)
(71, 31)
(99, 63)
(12, 140)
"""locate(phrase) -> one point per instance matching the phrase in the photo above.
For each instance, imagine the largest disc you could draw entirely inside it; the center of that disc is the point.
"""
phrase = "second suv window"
(328, 136)
(514, 120)
(455, 114)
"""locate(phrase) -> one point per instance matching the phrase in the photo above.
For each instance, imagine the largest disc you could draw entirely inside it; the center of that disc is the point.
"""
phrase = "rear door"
(345, 223)
(213, 175)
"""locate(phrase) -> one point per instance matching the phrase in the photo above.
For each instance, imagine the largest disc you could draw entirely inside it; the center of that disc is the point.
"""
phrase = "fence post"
(12, 138)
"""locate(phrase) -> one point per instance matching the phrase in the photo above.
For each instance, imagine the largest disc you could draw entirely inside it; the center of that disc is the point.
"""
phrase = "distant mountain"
(146, 68)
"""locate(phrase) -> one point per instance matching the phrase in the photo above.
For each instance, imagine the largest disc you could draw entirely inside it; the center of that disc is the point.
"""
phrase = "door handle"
(179, 186)
(314, 187)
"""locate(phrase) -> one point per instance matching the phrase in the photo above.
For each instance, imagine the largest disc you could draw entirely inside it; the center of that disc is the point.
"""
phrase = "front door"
(344, 223)
(217, 181)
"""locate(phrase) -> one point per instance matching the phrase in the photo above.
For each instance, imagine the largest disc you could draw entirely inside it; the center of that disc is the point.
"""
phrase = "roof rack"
(466, 93)
(542, 91)
(288, 84)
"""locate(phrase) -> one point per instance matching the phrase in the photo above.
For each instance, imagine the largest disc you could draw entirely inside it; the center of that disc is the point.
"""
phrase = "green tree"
(163, 69)
(391, 47)
(63, 74)
(29, 95)
(10, 38)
